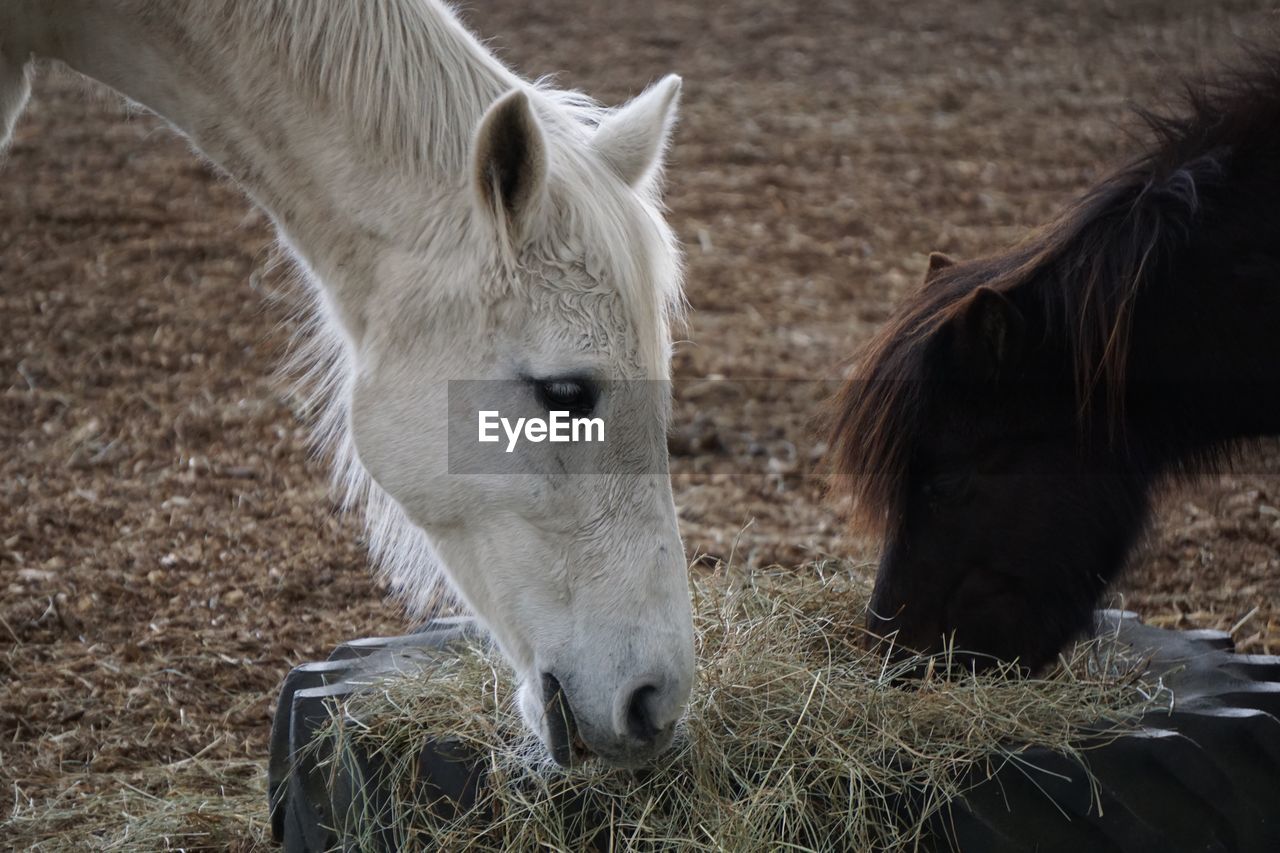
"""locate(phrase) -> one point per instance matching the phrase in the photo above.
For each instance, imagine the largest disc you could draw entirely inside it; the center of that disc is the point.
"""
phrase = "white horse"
(457, 222)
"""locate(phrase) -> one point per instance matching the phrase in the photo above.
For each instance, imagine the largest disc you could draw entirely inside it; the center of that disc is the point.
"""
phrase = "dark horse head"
(1004, 431)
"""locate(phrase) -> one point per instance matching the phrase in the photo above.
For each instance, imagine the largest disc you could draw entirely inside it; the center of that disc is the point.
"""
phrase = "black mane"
(1081, 273)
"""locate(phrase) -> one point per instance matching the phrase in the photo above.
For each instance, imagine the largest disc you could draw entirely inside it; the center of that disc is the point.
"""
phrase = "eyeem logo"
(558, 427)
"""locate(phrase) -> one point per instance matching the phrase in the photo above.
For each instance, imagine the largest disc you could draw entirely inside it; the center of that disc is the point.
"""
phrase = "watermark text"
(557, 427)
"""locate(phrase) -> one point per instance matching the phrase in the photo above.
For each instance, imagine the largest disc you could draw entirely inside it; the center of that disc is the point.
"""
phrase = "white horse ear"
(633, 138)
(511, 162)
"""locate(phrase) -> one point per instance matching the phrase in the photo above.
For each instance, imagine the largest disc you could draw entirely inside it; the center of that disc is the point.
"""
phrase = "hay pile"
(189, 805)
(796, 735)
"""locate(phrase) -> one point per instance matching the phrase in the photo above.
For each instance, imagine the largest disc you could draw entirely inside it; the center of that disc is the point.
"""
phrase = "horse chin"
(634, 759)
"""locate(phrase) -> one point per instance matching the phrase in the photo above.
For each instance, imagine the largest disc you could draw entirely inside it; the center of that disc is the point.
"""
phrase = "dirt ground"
(169, 548)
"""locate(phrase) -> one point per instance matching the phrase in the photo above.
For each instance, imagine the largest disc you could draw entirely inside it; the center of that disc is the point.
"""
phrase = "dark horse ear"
(937, 263)
(985, 336)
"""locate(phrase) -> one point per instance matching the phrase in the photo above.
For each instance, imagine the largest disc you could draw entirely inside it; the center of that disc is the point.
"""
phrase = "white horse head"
(458, 223)
(552, 292)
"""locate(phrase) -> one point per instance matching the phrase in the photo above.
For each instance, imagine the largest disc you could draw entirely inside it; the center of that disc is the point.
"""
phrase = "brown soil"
(170, 549)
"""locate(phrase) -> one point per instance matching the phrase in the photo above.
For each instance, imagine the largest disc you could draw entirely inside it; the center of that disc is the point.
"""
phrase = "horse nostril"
(640, 713)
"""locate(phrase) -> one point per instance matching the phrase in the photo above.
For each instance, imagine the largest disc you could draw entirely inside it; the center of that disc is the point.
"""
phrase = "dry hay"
(796, 737)
(795, 732)
(189, 805)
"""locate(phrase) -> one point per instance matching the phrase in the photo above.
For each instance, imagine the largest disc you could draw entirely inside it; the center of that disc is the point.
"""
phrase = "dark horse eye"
(947, 487)
(575, 396)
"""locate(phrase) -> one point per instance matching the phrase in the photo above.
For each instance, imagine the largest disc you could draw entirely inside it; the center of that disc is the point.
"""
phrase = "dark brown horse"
(1005, 431)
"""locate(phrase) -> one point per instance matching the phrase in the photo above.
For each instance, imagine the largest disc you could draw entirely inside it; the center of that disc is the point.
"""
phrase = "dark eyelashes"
(573, 394)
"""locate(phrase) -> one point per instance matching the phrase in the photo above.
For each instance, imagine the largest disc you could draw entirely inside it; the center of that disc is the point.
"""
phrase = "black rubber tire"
(1203, 775)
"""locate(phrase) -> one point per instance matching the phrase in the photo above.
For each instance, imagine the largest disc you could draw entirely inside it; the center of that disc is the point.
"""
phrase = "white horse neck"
(345, 119)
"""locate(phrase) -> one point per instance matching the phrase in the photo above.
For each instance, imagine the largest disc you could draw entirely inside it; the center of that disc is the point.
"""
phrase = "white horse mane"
(414, 82)
(321, 378)
(405, 71)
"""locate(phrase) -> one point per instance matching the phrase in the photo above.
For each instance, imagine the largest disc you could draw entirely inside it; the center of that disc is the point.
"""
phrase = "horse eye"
(575, 396)
(946, 486)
